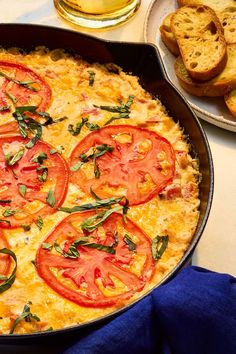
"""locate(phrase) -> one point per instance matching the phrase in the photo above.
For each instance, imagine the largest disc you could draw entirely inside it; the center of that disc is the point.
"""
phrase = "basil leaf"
(77, 166)
(95, 221)
(131, 245)
(47, 246)
(11, 160)
(40, 158)
(102, 203)
(26, 315)
(9, 280)
(51, 200)
(12, 98)
(92, 126)
(76, 131)
(159, 245)
(25, 84)
(39, 222)
(9, 212)
(91, 77)
(22, 189)
(43, 176)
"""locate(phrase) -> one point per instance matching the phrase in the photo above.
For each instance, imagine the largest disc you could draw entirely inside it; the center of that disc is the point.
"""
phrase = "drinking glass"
(97, 13)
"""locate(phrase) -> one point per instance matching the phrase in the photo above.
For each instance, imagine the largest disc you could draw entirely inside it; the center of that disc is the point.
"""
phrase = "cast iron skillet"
(144, 61)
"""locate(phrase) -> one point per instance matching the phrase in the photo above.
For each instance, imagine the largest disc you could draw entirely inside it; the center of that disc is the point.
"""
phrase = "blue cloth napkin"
(195, 313)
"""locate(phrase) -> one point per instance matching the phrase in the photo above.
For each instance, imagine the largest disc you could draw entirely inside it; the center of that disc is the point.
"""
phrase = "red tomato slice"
(140, 166)
(96, 278)
(5, 260)
(24, 96)
(36, 178)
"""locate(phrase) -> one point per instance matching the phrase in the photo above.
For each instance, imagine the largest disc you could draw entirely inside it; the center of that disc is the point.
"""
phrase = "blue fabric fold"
(195, 313)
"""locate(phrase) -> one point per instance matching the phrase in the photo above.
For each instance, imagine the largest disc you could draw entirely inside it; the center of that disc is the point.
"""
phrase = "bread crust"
(218, 86)
(216, 5)
(168, 37)
(199, 33)
(230, 100)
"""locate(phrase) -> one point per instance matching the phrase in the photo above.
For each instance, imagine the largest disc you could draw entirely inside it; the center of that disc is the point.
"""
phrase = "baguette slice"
(230, 100)
(219, 86)
(168, 37)
(216, 5)
(228, 21)
(201, 41)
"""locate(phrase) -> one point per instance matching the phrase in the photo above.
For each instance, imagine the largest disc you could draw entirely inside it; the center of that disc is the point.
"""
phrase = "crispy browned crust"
(168, 37)
(213, 88)
(230, 100)
(201, 41)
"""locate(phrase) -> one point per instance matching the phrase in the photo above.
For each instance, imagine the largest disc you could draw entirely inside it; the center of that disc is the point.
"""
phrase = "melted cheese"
(176, 216)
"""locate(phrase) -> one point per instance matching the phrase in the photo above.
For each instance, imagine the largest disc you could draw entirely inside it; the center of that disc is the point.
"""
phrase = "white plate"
(212, 110)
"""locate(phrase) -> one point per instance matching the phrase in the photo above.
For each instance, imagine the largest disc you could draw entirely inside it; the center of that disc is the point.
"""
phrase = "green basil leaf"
(40, 158)
(9, 212)
(131, 245)
(26, 315)
(76, 131)
(51, 199)
(101, 203)
(91, 77)
(47, 246)
(22, 189)
(159, 245)
(11, 160)
(39, 222)
(97, 220)
(9, 280)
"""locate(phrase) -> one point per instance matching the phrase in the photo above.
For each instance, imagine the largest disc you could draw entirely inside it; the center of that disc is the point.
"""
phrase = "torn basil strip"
(159, 245)
(40, 158)
(91, 77)
(39, 222)
(22, 190)
(51, 199)
(9, 212)
(11, 159)
(101, 203)
(8, 281)
(97, 152)
(25, 84)
(93, 222)
(123, 110)
(27, 124)
(26, 315)
(76, 131)
(131, 245)
(73, 252)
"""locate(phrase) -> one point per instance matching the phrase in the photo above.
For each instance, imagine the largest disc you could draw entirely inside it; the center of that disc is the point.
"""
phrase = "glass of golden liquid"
(97, 14)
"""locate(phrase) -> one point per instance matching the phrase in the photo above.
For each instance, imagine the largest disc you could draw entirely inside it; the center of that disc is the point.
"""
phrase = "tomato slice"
(33, 90)
(96, 278)
(27, 182)
(141, 164)
(5, 260)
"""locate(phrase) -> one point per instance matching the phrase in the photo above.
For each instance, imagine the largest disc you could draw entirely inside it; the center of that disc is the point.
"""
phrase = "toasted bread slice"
(218, 86)
(228, 21)
(168, 37)
(230, 100)
(201, 41)
(216, 5)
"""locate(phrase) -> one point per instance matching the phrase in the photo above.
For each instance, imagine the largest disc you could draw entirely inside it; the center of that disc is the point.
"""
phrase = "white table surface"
(216, 249)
